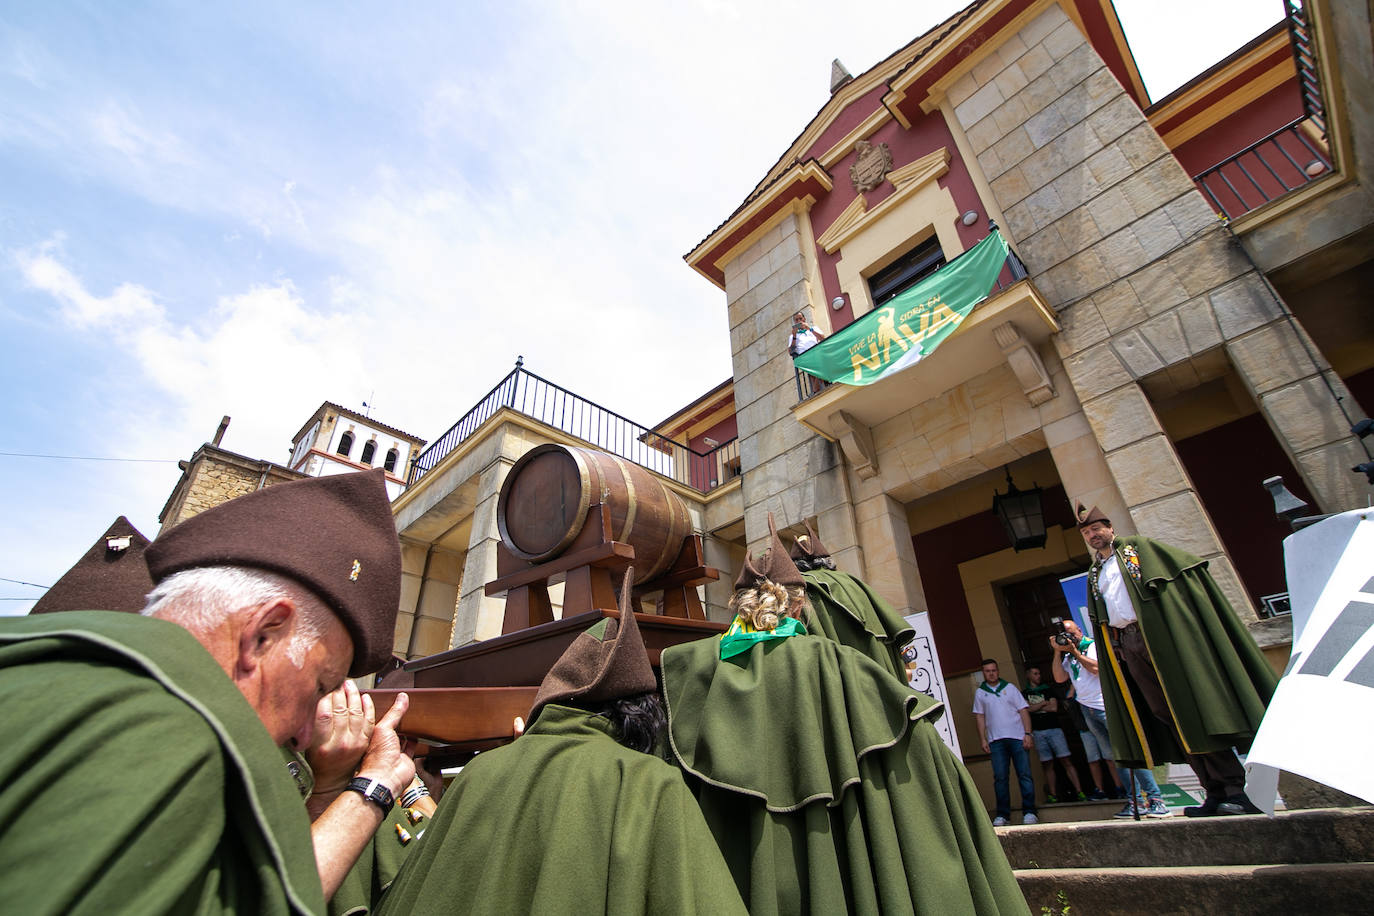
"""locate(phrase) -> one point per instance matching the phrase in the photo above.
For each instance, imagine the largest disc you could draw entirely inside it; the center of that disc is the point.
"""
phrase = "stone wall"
(788, 470)
(215, 476)
(1142, 273)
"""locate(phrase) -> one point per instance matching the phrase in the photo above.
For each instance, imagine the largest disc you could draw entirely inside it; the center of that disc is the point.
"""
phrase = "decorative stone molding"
(1025, 363)
(908, 179)
(857, 441)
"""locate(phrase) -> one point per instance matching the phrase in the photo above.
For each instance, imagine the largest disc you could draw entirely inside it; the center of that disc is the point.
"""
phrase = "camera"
(1062, 636)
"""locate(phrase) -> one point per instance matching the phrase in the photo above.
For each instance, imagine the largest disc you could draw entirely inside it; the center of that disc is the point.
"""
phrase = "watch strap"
(374, 790)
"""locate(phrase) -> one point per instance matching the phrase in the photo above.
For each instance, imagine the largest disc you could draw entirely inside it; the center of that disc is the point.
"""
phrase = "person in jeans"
(1077, 657)
(1004, 724)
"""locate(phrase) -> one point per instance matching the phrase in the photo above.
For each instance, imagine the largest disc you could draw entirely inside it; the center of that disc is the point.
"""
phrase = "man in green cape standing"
(820, 774)
(846, 610)
(1181, 677)
(577, 816)
(140, 770)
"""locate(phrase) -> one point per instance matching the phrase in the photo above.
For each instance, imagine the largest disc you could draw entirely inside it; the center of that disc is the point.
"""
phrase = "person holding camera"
(805, 335)
(1076, 658)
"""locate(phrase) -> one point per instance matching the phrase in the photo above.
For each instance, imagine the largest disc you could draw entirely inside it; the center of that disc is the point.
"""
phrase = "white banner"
(924, 674)
(1318, 724)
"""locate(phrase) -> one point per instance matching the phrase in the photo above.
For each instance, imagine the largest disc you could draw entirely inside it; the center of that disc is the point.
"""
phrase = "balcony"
(555, 406)
(1288, 159)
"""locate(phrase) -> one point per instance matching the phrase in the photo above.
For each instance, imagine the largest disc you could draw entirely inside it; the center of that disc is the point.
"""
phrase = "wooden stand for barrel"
(585, 516)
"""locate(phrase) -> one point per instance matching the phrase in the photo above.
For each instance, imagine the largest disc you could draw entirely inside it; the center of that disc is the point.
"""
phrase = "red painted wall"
(1230, 135)
(938, 555)
(1227, 465)
(925, 136)
(723, 431)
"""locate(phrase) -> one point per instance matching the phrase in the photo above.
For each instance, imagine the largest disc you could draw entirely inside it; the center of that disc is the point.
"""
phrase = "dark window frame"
(908, 270)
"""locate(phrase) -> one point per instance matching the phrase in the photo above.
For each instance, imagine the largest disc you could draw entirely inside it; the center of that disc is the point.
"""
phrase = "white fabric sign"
(924, 674)
(1318, 722)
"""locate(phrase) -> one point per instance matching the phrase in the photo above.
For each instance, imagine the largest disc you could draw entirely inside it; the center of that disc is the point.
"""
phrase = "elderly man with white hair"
(140, 768)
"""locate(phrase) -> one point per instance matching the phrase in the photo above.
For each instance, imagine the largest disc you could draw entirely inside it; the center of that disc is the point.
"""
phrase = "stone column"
(436, 594)
(480, 617)
(888, 553)
(1287, 376)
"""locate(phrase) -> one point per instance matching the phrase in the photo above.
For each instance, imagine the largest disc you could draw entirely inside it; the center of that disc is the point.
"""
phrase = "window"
(390, 463)
(369, 450)
(905, 272)
(345, 444)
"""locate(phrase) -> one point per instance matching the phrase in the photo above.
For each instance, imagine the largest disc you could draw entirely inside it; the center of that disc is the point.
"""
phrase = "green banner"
(909, 327)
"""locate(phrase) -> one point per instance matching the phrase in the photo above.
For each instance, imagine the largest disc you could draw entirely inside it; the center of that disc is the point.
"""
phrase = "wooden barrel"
(544, 503)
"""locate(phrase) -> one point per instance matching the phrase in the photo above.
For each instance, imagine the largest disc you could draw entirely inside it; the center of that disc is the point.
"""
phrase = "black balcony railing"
(555, 406)
(1013, 271)
(1266, 170)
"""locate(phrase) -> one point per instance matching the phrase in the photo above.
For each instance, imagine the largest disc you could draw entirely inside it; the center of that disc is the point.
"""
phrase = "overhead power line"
(89, 458)
(22, 582)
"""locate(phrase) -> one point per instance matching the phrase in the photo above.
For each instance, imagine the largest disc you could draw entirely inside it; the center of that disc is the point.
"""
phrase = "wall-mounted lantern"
(1022, 515)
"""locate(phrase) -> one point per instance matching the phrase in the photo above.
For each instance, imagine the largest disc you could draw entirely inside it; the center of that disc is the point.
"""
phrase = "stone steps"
(1310, 861)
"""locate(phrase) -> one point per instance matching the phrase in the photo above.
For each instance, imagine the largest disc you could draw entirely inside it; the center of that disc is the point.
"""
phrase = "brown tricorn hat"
(1087, 516)
(808, 546)
(606, 662)
(111, 576)
(335, 535)
(774, 565)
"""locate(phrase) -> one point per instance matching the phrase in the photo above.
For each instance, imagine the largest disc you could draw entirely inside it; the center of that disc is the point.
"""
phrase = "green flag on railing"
(910, 326)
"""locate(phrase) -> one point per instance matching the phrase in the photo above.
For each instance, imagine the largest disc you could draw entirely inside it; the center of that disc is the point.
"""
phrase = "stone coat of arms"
(872, 165)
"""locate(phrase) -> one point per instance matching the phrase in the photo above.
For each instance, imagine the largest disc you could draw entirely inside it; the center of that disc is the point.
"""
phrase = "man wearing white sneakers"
(1004, 724)
(1076, 655)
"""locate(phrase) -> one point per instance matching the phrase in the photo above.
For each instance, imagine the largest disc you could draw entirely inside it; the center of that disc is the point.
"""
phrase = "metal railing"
(542, 400)
(1305, 59)
(1266, 170)
(808, 385)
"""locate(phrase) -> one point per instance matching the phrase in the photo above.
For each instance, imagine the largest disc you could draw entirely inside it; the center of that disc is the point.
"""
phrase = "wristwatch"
(374, 790)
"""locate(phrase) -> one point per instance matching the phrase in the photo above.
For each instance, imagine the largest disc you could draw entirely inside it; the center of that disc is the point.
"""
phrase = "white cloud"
(128, 303)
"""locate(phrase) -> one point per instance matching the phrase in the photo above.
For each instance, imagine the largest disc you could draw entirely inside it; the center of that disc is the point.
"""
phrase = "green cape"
(826, 785)
(846, 610)
(135, 777)
(1215, 678)
(565, 820)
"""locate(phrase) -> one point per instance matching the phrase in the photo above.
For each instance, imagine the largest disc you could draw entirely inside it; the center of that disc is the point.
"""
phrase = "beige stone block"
(1109, 166)
(1044, 249)
(1191, 214)
(1270, 357)
(1159, 288)
(1326, 471)
(1199, 325)
(1141, 145)
(1120, 307)
(758, 271)
(983, 135)
(1147, 470)
(1019, 416)
(1083, 469)
(1115, 119)
(1224, 574)
(1157, 234)
(1242, 305)
(979, 105)
(1041, 92)
(1096, 371)
(1011, 80)
(1066, 43)
(1020, 225)
(1165, 336)
(1067, 429)
(1063, 403)
(962, 88)
(1305, 415)
(1011, 149)
(1122, 253)
(1152, 187)
(1081, 275)
(1120, 417)
(1034, 63)
(990, 387)
(950, 444)
(1076, 186)
(917, 457)
(1035, 31)
(1078, 230)
(1110, 211)
(987, 69)
(985, 429)
(1178, 520)
(889, 434)
(1011, 50)
(1045, 125)
(1044, 206)
(1080, 327)
(1137, 355)
(1009, 115)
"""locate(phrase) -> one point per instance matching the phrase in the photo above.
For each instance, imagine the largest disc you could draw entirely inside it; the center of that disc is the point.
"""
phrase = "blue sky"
(251, 208)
